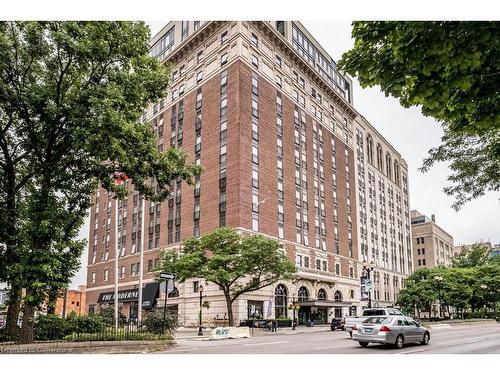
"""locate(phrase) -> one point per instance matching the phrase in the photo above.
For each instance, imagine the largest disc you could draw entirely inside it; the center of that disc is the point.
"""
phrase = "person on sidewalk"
(274, 326)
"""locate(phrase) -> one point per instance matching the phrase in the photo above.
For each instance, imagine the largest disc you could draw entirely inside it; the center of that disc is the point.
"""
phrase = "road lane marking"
(413, 351)
(266, 343)
(330, 347)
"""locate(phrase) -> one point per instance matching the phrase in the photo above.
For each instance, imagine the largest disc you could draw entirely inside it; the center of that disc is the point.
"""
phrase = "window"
(150, 265)
(196, 286)
(337, 269)
(280, 26)
(223, 37)
(255, 40)
(303, 294)
(106, 274)
(255, 61)
(279, 81)
(280, 302)
(337, 297)
(185, 29)
(199, 77)
(93, 277)
(322, 296)
(199, 56)
(223, 59)
(277, 60)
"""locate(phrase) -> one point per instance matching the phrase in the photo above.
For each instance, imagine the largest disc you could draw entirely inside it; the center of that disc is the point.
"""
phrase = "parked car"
(390, 330)
(337, 323)
(351, 321)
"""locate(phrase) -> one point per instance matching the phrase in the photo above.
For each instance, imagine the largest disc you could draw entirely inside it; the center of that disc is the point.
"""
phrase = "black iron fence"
(128, 332)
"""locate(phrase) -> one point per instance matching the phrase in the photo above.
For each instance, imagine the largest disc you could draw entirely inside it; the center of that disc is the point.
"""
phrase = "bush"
(107, 315)
(153, 322)
(84, 323)
(116, 336)
(50, 327)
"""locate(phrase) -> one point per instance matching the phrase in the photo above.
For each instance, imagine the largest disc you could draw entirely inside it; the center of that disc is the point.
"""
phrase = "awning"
(149, 295)
(323, 303)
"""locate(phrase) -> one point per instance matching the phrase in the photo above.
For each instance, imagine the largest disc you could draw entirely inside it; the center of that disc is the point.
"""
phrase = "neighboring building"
(262, 107)
(383, 211)
(432, 245)
(72, 301)
(494, 249)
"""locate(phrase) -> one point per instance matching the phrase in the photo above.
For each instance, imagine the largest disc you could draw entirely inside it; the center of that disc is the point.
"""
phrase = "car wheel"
(332, 328)
(350, 334)
(426, 339)
(343, 328)
(399, 342)
(363, 344)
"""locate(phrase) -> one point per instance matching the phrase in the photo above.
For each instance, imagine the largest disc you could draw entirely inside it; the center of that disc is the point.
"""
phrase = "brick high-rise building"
(262, 107)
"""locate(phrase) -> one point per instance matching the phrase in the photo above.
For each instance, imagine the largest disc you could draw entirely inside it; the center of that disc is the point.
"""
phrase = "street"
(473, 339)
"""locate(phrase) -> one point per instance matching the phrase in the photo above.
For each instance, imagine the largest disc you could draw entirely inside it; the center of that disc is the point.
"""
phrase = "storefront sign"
(149, 295)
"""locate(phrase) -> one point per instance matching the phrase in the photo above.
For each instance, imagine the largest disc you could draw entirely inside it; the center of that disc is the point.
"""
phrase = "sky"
(412, 134)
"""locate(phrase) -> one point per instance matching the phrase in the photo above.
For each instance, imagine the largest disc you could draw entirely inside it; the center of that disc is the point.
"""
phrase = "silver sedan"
(392, 330)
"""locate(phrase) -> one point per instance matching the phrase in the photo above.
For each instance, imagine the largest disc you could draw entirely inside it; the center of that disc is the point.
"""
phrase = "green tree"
(451, 70)
(71, 96)
(476, 255)
(420, 291)
(237, 264)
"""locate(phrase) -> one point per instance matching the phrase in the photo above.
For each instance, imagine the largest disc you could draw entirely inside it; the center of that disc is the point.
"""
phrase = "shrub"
(153, 321)
(50, 327)
(84, 323)
(107, 315)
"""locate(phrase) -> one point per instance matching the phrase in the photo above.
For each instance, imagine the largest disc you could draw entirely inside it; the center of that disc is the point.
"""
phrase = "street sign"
(167, 276)
(368, 285)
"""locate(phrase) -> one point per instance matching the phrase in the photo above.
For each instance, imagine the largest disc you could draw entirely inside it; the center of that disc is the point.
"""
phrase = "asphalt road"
(475, 339)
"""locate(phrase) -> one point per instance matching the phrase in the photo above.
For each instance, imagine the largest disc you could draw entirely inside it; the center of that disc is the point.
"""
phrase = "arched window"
(303, 294)
(322, 294)
(397, 177)
(380, 164)
(280, 301)
(388, 166)
(369, 148)
(174, 293)
(337, 297)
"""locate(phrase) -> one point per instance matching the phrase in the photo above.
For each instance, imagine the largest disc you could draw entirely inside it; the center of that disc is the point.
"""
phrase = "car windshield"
(373, 312)
(378, 320)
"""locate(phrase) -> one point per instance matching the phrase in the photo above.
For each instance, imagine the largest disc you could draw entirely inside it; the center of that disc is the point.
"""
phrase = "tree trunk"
(52, 300)
(26, 336)
(229, 304)
(13, 312)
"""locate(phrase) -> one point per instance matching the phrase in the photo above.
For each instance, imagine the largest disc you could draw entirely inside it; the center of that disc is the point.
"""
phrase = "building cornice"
(290, 53)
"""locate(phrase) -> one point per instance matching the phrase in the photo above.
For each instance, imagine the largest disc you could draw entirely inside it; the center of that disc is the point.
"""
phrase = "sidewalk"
(192, 333)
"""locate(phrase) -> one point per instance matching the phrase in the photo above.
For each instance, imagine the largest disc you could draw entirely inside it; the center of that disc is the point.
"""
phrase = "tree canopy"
(471, 282)
(71, 98)
(236, 263)
(450, 70)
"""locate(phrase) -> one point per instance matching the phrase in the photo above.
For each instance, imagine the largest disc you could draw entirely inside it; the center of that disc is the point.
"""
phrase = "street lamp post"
(439, 278)
(294, 307)
(200, 331)
(368, 268)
